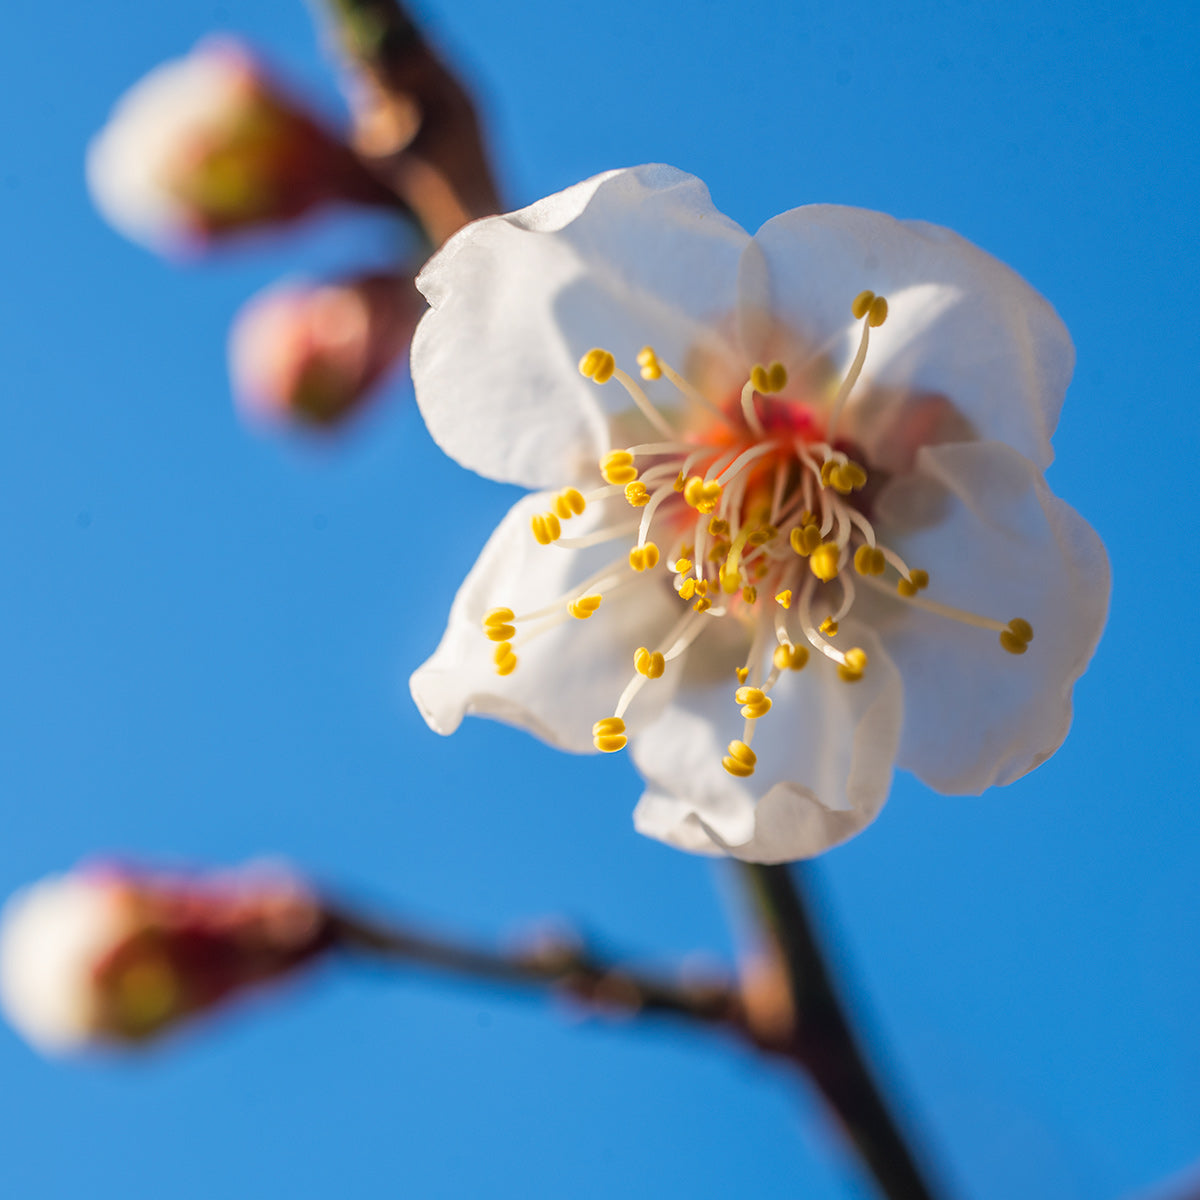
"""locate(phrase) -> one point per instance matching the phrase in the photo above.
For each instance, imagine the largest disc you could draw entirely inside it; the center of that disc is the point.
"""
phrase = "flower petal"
(825, 755)
(961, 323)
(628, 258)
(1005, 547)
(568, 677)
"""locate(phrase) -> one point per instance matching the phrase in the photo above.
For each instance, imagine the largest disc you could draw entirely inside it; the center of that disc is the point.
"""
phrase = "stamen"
(607, 534)
(644, 403)
(504, 659)
(874, 309)
(608, 735)
(617, 467)
(740, 761)
(583, 608)
(643, 558)
(1016, 628)
(546, 528)
(649, 664)
(823, 561)
(754, 701)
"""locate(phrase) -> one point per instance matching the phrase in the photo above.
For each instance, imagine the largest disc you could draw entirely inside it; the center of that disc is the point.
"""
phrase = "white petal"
(625, 259)
(1005, 547)
(825, 753)
(961, 324)
(54, 933)
(128, 158)
(569, 677)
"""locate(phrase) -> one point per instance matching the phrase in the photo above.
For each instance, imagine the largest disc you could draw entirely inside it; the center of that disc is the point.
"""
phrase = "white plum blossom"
(794, 529)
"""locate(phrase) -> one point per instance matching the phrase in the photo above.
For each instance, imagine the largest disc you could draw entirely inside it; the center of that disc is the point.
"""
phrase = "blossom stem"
(415, 125)
(560, 965)
(820, 1037)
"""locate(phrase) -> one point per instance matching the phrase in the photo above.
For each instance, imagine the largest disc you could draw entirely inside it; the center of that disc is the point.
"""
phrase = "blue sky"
(207, 637)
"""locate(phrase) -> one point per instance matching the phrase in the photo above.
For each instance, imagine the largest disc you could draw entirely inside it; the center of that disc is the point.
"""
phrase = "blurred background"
(207, 634)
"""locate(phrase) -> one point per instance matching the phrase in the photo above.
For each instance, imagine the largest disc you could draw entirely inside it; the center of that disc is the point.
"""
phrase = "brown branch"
(415, 125)
(815, 1031)
(559, 965)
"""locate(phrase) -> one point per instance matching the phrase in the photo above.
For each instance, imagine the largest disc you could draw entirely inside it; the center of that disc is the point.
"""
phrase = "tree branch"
(819, 1037)
(415, 124)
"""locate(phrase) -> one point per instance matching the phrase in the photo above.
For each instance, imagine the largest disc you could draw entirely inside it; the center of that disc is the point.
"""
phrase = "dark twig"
(559, 965)
(416, 126)
(819, 1036)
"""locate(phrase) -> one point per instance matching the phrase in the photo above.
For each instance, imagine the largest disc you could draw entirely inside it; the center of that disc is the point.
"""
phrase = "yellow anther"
(869, 560)
(760, 569)
(854, 666)
(805, 539)
(636, 494)
(731, 581)
(703, 496)
(648, 361)
(682, 565)
(718, 527)
(498, 616)
(754, 701)
(742, 673)
(917, 581)
(843, 477)
(687, 589)
(617, 467)
(1016, 638)
(569, 503)
(749, 594)
(649, 664)
(584, 606)
(829, 627)
(740, 760)
(784, 598)
(762, 535)
(609, 735)
(505, 659)
(790, 658)
(642, 558)
(823, 562)
(678, 485)
(702, 587)
(862, 304)
(878, 312)
(769, 380)
(597, 365)
(719, 551)
(500, 633)
(546, 528)
(703, 604)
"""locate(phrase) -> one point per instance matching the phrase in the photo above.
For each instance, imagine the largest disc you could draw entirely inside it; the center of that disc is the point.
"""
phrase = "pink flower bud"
(208, 145)
(105, 955)
(312, 353)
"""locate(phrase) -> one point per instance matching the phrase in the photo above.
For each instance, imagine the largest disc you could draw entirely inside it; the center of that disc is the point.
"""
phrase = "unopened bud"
(313, 353)
(209, 144)
(104, 955)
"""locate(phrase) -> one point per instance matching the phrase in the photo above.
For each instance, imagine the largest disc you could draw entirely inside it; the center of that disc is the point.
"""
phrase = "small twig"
(560, 966)
(416, 126)
(820, 1038)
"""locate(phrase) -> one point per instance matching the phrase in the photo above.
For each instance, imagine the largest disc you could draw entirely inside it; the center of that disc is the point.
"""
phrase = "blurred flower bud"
(312, 353)
(207, 145)
(106, 955)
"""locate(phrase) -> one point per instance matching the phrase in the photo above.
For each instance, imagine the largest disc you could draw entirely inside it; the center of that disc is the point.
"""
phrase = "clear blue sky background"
(206, 638)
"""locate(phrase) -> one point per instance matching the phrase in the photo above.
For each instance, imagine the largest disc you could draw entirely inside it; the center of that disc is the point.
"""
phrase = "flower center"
(761, 512)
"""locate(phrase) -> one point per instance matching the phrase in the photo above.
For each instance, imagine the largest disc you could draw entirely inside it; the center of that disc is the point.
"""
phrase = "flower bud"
(313, 353)
(207, 145)
(105, 955)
